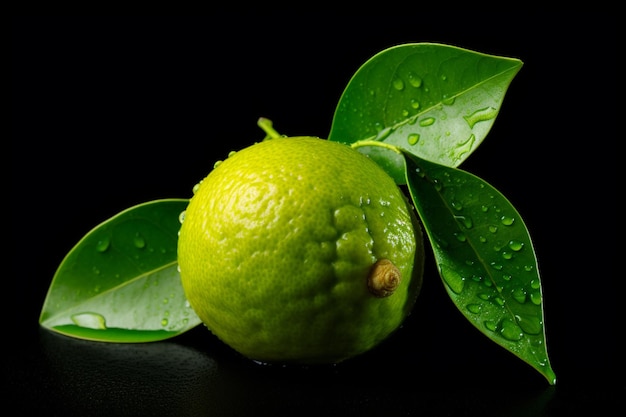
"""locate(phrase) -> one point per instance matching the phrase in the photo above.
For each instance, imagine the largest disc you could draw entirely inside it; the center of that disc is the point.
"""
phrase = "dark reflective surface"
(109, 112)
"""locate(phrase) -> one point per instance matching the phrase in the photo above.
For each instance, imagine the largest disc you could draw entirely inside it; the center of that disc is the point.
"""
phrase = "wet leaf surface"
(485, 257)
(120, 283)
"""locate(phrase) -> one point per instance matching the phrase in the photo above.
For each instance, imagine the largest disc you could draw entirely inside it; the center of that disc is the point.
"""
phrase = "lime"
(300, 250)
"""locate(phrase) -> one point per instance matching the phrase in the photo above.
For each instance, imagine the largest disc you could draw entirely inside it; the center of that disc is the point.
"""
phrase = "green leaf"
(436, 101)
(120, 283)
(485, 257)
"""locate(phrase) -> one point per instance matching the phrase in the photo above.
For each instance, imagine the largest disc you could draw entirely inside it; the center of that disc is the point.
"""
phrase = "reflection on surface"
(177, 378)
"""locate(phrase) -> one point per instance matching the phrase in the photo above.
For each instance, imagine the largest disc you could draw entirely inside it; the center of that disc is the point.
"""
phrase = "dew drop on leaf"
(383, 134)
(474, 308)
(448, 101)
(481, 115)
(103, 244)
(491, 325)
(413, 138)
(428, 121)
(452, 278)
(139, 241)
(398, 84)
(529, 324)
(535, 298)
(519, 295)
(89, 320)
(510, 331)
(460, 237)
(507, 220)
(496, 266)
(415, 81)
(499, 301)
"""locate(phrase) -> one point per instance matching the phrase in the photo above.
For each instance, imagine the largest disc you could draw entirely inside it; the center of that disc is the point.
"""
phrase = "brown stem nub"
(384, 278)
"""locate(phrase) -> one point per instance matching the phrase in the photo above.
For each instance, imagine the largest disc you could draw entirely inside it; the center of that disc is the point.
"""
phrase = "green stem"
(369, 142)
(266, 125)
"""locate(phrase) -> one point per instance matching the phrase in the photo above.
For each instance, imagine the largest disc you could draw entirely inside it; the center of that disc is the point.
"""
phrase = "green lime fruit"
(300, 250)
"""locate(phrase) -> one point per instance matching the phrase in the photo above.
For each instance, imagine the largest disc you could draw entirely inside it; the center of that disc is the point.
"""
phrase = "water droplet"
(103, 244)
(181, 216)
(164, 322)
(493, 229)
(398, 84)
(415, 81)
(196, 187)
(415, 104)
(216, 164)
(535, 298)
(413, 138)
(529, 324)
(484, 208)
(428, 121)
(139, 241)
(507, 220)
(89, 320)
(496, 266)
(474, 308)
(456, 205)
(465, 221)
(510, 330)
(519, 295)
(231, 153)
(482, 239)
(535, 284)
(464, 147)
(460, 236)
(452, 278)
(507, 255)
(443, 77)
(483, 296)
(448, 101)
(384, 133)
(480, 116)
(491, 325)
(516, 245)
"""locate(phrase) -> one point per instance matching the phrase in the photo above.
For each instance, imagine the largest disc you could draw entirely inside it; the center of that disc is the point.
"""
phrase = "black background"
(112, 111)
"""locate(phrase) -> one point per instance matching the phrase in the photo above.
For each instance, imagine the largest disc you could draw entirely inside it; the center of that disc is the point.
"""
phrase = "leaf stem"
(369, 142)
(267, 126)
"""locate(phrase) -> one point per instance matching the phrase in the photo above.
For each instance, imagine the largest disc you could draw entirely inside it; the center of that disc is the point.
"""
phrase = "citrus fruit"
(300, 250)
